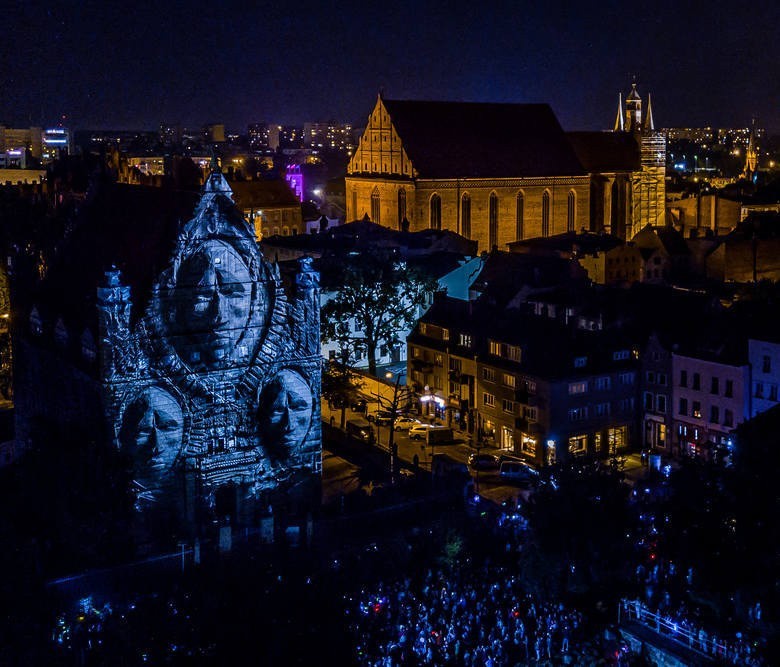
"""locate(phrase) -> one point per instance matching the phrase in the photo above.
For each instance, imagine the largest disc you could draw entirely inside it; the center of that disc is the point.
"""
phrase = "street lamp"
(393, 415)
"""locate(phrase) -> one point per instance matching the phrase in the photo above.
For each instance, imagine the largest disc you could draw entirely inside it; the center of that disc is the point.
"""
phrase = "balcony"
(422, 365)
(459, 377)
(524, 398)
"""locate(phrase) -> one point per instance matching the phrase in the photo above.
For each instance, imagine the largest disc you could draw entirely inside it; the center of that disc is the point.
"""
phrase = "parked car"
(483, 462)
(404, 423)
(517, 470)
(360, 429)
(381, 417)
(418, 432)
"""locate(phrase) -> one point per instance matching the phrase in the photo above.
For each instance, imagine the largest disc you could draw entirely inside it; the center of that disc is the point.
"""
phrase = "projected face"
(285, 413)
(152, 430)
(213, 302)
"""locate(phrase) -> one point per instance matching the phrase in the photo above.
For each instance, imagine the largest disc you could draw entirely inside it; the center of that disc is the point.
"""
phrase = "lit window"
(578, 387)
(465, 340)
(488, 374)
(578, 444)
(509, 380)
(579, 362)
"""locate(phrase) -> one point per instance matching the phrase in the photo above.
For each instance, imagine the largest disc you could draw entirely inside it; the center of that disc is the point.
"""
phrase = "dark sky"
(134, 64)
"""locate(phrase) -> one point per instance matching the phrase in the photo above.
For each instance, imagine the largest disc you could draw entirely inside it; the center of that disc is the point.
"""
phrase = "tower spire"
(751, 157)
(619, 118)
(649, 124)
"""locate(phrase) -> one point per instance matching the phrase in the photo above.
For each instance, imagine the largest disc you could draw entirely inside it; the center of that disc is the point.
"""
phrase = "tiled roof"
(477, 140)
(606, 151)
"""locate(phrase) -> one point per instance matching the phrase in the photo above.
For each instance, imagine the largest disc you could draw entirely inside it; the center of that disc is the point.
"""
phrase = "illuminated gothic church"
(498, 173)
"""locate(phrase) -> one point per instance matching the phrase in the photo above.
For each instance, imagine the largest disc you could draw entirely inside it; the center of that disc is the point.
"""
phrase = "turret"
(633, 111)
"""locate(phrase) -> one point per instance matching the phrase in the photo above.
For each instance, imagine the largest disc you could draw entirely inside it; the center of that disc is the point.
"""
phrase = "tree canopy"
(379, 298)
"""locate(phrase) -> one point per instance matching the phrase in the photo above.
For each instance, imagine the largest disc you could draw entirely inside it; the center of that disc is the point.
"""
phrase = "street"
(490, 485)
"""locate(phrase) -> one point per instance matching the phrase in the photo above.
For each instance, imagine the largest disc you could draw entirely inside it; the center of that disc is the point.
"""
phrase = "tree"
(340, 384)
(377, 293)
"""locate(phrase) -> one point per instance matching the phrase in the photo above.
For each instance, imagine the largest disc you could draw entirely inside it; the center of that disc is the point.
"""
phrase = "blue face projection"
(220, 377)
(212, 305)
(152, 432)
(285, 414)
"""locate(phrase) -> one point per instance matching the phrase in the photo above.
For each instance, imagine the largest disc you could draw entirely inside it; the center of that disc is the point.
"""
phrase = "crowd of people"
(476, 616)
(682, 626)
(664, 593)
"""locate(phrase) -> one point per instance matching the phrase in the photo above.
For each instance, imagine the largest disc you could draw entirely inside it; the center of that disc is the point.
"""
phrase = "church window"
(354, 205)
(519, 214)
(375, 206)
(571, 211)
(435, 212)
(493, 220)
(401, 206)
(465, 216)
(546, 213)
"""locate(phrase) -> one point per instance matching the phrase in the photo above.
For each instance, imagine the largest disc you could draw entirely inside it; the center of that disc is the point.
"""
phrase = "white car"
(418, 431)
(404, 423)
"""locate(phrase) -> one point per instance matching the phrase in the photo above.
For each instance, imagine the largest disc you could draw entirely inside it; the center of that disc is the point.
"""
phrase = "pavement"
(490, 486)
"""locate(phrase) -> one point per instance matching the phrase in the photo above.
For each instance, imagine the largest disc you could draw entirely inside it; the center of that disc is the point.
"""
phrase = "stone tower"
(648, 185)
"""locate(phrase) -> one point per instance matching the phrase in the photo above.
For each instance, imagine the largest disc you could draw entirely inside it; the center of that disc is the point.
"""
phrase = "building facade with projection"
(202, 367)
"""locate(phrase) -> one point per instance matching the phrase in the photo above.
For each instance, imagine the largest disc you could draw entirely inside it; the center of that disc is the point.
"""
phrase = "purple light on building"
(294, 179)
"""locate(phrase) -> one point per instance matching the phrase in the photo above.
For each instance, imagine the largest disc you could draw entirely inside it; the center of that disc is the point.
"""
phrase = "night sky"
(134, 64)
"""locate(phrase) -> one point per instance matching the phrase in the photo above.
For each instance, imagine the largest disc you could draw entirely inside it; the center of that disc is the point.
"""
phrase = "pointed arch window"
(493, 221)
(571, 211)
(354, 205)
(465, 216)
(546, 213)
(401, 206)
(519, 215)
(435, 212)
(375, 206)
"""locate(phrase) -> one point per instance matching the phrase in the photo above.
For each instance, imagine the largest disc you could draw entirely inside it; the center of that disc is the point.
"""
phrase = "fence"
(706, 645)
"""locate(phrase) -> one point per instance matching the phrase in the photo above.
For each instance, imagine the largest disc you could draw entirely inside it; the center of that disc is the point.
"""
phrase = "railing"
(631, 610)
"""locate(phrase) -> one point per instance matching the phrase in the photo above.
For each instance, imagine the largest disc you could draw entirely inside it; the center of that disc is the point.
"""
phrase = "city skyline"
(194, 63)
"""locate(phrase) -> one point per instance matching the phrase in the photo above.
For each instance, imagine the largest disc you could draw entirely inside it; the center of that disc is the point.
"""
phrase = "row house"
(710, 397)
(532, 386)
(691, 403)
(764, 360)
(656, 396)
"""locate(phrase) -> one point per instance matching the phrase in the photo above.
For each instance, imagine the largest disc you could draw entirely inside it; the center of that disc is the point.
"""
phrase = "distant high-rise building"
(259, 136)
(170, 134)
(329, 136)
(214, 133)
